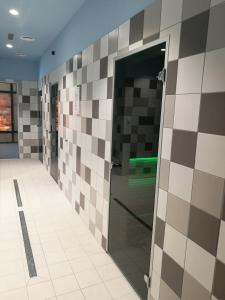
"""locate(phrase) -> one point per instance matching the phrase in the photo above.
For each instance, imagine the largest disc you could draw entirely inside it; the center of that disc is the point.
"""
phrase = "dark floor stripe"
(18, 198)
(27, 246)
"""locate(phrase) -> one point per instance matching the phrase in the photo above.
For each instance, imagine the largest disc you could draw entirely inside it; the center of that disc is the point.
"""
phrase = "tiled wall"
(28, 119)
(189, 260)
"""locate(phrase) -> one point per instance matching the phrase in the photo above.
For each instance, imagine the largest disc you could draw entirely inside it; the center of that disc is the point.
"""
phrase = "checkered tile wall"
(189, 255)
(28, 119)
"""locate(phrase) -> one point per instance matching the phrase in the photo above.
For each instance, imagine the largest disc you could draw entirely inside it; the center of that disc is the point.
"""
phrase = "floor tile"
(118, 287)
(65, 284)
(71, 296)
(20, 294)
(96, 292)
(107, 272)
(87, 278)
(41, 291)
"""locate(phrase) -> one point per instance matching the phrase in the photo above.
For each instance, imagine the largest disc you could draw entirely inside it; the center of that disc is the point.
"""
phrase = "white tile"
(210, 154)
(65, 284)
(174, 40)
(41, 291)
(123, 38)
(59, 270)
(189, 75)
(81, 264)
(155, 285)
(221, 243)
(108, 272)
(162, 204)
(131, 296)
(11, 282)
(214, 71)
(72, 296)
(175, 244)
(96, 292)
(180, 182)
(167, 143)
(118, 287)
(171, 13)
(200, 264)
(157, 259)
(88, 278)
(104, 46)
(187, 112)
(20, 294)
(101, 259)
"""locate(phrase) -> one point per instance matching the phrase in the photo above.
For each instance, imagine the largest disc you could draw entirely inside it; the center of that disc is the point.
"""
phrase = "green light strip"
(142, 181)
(147, 159)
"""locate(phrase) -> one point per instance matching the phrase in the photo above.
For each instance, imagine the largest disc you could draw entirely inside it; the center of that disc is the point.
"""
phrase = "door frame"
(121, 56)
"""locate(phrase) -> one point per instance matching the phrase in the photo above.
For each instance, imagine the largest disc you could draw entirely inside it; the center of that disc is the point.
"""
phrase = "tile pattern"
(193, 157)
(29, 120)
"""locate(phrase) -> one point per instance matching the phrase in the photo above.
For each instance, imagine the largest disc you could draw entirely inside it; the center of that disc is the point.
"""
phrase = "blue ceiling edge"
(93, 20)
(18, 69)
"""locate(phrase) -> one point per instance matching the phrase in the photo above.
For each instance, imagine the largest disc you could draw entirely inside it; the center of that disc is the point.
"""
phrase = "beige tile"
(72, 296)
(171, 13)
(11, 282)
(118, 287)
(65, 284)
(108, 272)
(41, 291)
(162, 204)
(167, 143)
(155, 285)
(221, 243)
(169, 111)
(96, 292)
(88, 278)
(81, 264)
(60, 270)
(174, 34)
(157, 259)
(20, 294)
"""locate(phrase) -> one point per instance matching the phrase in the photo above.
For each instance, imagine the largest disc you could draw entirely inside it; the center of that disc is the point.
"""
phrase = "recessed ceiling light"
(27, 38)
(9, 45)
(14, 12)
(163, 49)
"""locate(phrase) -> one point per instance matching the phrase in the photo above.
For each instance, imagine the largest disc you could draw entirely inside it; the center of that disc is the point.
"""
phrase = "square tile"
(172, 274)
(194, 35)
(162, 204)
(41, 291)
(87, 278)
(159, 232)
(171, 13)
(192, 8)
(164, 174)
(152, 15)
(157, 259)
(166, 292)
(189, 78)
(214, 72)
(216, 28)
(180, 220)
(192, 289)
(203, 229)
(208, 193)
(200, 264)
(213, 147)
(96, 50)
(212, 114)
(175, 245)
(104, 46)
(65, 284)
(218, 286)
(166, 143)
(155, 285)
(109, 271)
(187, 112)
(221, 243)
(113, 41)
(123, 39)
(96, 292)
(180, 183)
(171, 77)
(77, 295)
(169, 111)
(60, 270)
(174, 43)
(184, 148)
(136, 28)
(103, 67)
(118, 287)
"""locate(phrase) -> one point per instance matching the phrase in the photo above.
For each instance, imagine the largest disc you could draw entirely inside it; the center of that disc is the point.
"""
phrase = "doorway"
(138, 93)
(40, 137)
(54, 131)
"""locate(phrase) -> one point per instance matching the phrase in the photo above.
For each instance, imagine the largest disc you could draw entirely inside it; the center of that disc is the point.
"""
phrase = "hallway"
(68, 261)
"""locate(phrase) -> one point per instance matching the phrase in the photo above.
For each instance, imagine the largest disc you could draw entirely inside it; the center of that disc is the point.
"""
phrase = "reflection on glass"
(5, 112)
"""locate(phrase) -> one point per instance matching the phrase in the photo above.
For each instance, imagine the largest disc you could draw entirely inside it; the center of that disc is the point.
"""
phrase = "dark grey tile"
(212, 112)
(152, 17)
(79, 60)
(110, 88)
(95, 109)
(96, 50)
(26, 99)
(184, 148)
(216, 28)
(113, 41)
(164, 174)
(172, 274)
(204, 229)
(17, 191)
(136, 28)
(64, 82)
(26, 128)
(71, 108)
(101, 148)
(159, 232)
(89, 90)
(84, 75)
(104, 243)
(193, 7)
(82, 201)
(194, 35)
(87, 175)
(218, 285)
(77, 207)
(89, 126)
(171, 78)
(103, 67)
(106, 170)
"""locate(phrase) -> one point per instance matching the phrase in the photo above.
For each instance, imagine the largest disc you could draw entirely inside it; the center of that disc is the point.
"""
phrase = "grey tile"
(192, 289)
(96, 50)
(82, 201)
(101, 148)
(166, 293)
(92, 227)
(164, 174)
(84, 75)
(152, 15)
(89, 126)
(113, 41)
(194, 35)
(104, 243)
(103, 67)
(212, 111)
(98, 220)
(79, 60)
(193, 7)
(94, 146)
(136, 28)
(90, 90)
(180, 219)
(95, 109)
(204, 229)
(110, 88)
(93, 196)
(208, 193)
(216, 30)
(172, 274)
(171, 78)
(219, 286)
(184, 148)
(106, 171)
(87, 175)
(159, 232)
(169, 111)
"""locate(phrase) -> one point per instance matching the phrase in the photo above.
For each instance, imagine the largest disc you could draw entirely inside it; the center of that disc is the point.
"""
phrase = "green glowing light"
(142, 181)
(143, 159)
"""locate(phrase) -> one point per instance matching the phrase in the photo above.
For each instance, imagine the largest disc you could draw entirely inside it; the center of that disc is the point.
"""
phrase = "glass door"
(136, 126)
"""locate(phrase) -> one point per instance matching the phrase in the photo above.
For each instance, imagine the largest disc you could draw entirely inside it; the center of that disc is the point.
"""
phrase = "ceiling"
(42, 19)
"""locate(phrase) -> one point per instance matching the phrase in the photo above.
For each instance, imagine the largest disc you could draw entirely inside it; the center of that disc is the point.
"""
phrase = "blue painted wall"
(18, 69)
(94, 19)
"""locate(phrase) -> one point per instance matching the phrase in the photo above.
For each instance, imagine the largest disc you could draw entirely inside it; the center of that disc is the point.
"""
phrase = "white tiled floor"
(70, 264)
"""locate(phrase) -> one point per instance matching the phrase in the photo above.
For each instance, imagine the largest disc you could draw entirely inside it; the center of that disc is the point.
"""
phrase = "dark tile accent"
(151, 38)
(17, 191)
(171, 78)
(164, 174)
(194, 35)
(172, 274)
(26, 99)
(34, 114)
(71, 108)
(64, 82)
(204, 229)
(96, 50)
(79, 60)
(101, 148)
(110, 88)
(27, 246)
(212, 112)
(84, 75)
(71, 65)
(136, 28)
(34, 149)
(82, 200)
(184, 148)
(106, 171)
(159, 232)
(61, 143)
(77, 207)
(26, 128)
(103, 67)
(113, 42)
(95, 109)
(89, 91)
(89, 126)
(218, 285)
(87, 175)
(93, 196)
(104, 243)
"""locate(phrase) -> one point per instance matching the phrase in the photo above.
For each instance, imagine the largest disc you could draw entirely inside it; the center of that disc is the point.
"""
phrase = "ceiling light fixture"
(9, 46)
(163, 49)
(27, 38)
(14, 12)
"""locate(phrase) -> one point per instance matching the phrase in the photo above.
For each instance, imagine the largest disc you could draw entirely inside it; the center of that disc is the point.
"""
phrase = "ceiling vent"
(10, 36)
(27, 38)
